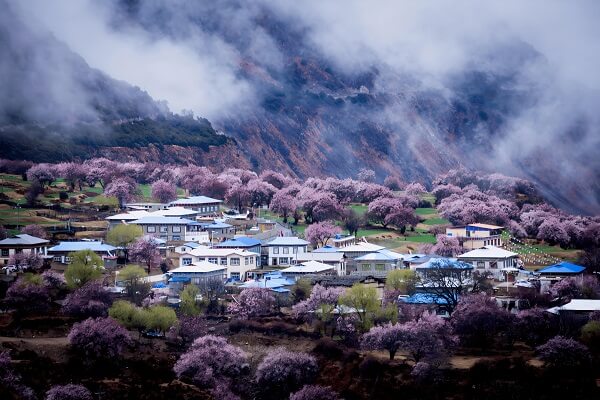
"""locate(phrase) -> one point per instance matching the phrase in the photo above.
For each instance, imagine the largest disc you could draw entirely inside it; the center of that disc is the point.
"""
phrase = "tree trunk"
(392, 354)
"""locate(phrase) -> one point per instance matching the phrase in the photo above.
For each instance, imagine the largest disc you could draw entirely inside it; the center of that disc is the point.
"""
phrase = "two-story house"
(491, 259)
(61, 252)
(236, 262)
(22, 243)
(378, 263)
(198, 273)
(476, 236)
(284, 250)
(242, 243)
(171, 229)
(204, 205)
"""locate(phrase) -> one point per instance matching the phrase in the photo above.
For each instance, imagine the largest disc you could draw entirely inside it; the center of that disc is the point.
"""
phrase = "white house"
(236, 262)
(379, 262)
(22, 243)
(196, 273)
(204, 205)
(354, 251)
(332, 258)
(490, 259)
(60, 252)
(284, 250)
(308, 267)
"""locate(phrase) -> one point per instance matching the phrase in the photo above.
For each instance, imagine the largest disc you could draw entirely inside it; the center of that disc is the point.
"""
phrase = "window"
(164, 229)
(201, 258)
(176, 229)
(283, 260)
(235, 261)
(68, 259)
(379, 267)
(57, 259)
(4, 252)
(286, 250)
(365, 267)
(275, 250)
(251, 260)
(176, 237)
(295, 249)
(235, 276)
(247, 260)
(186, 261)
(151, 229)
(223, 260)
(480, 264)
(213, 260)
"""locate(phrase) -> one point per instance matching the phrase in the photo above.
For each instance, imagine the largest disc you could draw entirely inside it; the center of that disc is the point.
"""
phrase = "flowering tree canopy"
(366, 175)
(210, 359)
(252, 302)
(315, 392)
(90, 300)
(28, 295)
(69, 392)
(561, 352)
(124, 189)
(285, 370)
(446, 246)
(99, 338)
(43, 173)
(35, 230)
(164, 191)
(26, 261)
(283, 204)
(145, 251)
(319, 233)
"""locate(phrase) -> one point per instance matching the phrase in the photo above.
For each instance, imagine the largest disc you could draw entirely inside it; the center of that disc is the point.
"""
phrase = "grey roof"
(196, 200)
(23, 240)
(382, 255)
(83, 245)
(163, 221)
(287, 241)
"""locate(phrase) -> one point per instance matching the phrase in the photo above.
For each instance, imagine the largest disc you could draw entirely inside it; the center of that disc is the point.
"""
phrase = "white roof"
(329, 256)
(580, 305)
(23, 240)
(308, 267)
(195, 200)
(173, 212)
(363, 247)
(154, 220)
(488, 252)
(198, 268)
(287, 241)
(204, 251)
(129, 216)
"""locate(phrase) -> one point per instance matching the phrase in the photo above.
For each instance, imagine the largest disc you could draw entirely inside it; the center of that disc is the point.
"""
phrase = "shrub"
(99, 338)
(90, 300)
(69, 392)
(85, 267)
(285, 370)
(252, 302)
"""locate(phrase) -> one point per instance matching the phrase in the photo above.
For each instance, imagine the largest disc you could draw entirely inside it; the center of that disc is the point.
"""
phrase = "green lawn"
(436, 221)
(372, 231)
(360, 209)
(421, 238)
(425, 211)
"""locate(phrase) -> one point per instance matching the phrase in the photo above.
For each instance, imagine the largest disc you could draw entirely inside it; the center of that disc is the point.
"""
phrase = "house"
(22, 243)
(197, 273)
(332, 258)
(264, 236)
(125, 218)
(357, 250)
(243, 243)
(236, 262)
(204, 205)
(562, 270)
(475, 236)
(149, 207)
(340, 241)
(179, 212)
(219, 231)
(456, 269)
(186, 247)
(274, 281)
(307, 267)
(284, 250)
(491, 259)
(577, 308)
(378, 263)
(167, 228)
(60, 253)
(431, 301)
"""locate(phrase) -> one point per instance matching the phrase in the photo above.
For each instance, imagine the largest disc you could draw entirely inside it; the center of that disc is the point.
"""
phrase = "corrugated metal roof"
(287, 241)
(195, 200)
(488, 252)
(78, 246)
(562, 268)
(23, 240)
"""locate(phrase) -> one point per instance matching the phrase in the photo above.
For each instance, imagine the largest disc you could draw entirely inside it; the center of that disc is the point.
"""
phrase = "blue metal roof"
(193, 245)
(83, 245)
(562, 268)
(179, 279)
(242, 242)
(424, 298)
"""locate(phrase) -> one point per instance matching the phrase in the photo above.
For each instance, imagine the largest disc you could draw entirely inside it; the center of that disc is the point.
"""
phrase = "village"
(362, 266)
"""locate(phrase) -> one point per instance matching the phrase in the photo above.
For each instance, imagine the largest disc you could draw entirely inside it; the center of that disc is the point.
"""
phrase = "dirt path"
(37, 341)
